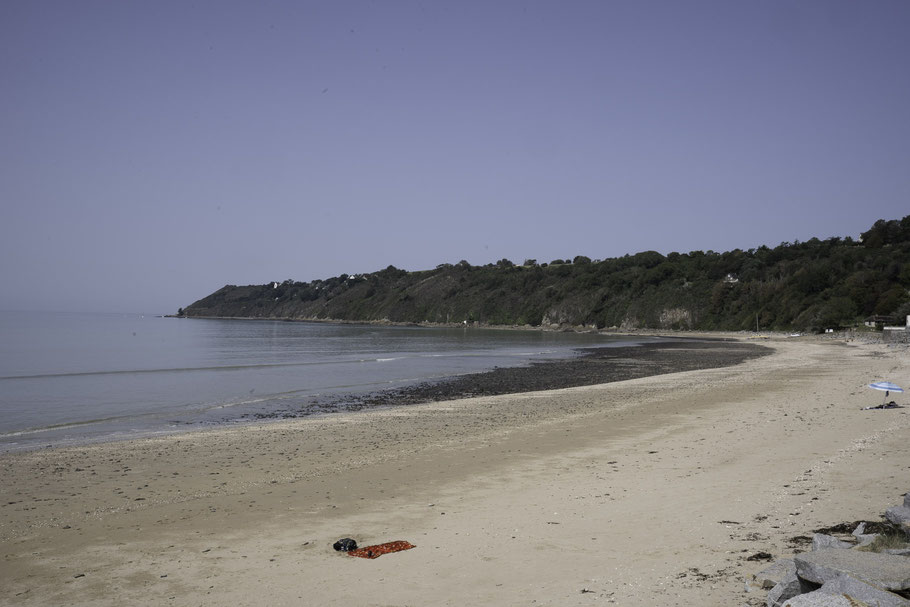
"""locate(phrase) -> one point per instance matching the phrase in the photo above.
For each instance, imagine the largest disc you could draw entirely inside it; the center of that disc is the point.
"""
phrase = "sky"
(152, 152)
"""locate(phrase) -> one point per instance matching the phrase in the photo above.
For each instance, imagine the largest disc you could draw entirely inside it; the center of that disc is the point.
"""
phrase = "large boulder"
(870, 594)
(772, 576)
(788, 588)
(899, 515)
(820, 541)
(820, 599)
(885, 570)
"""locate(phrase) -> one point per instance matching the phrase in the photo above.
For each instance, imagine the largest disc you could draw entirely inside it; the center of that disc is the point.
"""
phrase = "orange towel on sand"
(372, 552)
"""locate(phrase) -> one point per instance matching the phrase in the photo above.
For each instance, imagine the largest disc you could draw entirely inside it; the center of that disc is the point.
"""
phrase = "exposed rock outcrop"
(838, 572)
(885, 570)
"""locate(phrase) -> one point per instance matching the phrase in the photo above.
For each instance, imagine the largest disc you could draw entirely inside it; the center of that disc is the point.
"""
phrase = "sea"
(77, 378)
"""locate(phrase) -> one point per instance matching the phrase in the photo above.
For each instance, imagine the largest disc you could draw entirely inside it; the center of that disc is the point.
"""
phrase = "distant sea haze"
(70, 378)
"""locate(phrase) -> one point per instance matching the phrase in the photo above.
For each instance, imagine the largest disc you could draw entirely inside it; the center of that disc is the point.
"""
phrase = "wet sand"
(649, 491)
(591, 366)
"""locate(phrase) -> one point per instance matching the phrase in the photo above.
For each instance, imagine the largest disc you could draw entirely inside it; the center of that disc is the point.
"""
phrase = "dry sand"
(651, 491)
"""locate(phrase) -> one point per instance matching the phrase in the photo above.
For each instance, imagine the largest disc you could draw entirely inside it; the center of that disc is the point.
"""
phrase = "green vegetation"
(806, 286)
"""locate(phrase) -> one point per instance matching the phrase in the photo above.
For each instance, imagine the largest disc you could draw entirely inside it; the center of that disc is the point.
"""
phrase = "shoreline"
(645, 491)
(556, 328)
(591, 365)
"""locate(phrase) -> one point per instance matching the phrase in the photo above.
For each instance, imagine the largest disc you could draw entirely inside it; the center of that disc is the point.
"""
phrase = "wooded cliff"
(809, 285)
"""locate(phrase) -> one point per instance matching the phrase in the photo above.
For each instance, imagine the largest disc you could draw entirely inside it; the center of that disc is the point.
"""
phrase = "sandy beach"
(649, 491)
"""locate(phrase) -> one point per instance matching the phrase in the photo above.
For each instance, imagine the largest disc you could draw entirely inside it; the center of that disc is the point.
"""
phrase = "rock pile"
(844, 573)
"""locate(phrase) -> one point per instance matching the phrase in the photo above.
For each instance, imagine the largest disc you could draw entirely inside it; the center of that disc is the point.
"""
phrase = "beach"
(647, 491)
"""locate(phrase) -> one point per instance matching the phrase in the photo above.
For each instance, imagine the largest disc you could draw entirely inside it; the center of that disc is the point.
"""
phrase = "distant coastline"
(555, 328)
(705, 334)
(808, 286)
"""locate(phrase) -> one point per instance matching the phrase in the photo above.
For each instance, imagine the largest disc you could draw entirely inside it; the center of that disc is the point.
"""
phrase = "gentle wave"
(208, 407)
(314, 363)
(75, 424)
(175, 370)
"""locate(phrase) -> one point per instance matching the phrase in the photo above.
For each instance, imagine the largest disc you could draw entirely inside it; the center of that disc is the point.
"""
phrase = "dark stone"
(345, 545)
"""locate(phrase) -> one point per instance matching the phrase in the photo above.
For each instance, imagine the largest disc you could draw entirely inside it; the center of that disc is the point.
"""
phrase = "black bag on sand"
(345, 545)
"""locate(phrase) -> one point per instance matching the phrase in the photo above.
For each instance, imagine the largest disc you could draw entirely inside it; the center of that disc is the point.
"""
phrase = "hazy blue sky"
(154, 151)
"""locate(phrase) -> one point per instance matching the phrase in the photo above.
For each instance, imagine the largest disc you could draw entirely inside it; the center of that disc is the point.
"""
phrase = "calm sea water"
(75, 378)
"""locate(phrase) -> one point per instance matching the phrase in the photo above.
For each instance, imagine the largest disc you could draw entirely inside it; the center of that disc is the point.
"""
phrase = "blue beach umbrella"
(887, 387)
